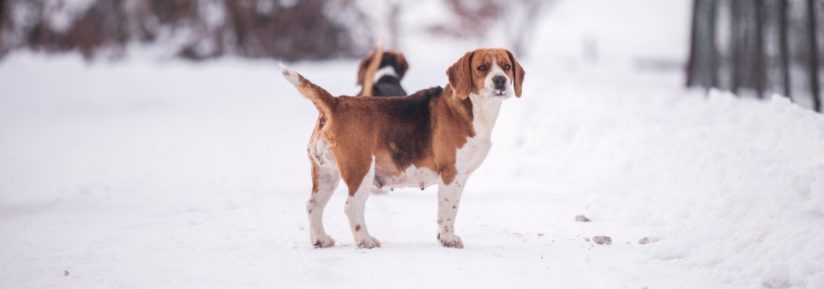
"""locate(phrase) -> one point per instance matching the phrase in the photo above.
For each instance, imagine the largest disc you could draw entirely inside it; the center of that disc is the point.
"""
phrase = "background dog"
(380, 73)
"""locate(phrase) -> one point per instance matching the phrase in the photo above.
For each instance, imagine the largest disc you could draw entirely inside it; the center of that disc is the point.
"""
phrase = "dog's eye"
(507, 67)
(482, 67)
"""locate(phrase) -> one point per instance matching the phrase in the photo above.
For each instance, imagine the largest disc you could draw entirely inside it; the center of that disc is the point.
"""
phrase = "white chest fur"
(472, 154)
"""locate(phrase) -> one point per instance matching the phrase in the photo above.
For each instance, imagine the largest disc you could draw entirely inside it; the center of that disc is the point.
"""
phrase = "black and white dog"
(381, 72)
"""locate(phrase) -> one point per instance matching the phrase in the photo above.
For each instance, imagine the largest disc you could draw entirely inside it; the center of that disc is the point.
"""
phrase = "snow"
(195, 177)
(153, 173)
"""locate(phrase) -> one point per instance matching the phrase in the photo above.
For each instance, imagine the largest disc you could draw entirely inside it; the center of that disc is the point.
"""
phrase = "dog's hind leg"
(325, 178)
(355, 205)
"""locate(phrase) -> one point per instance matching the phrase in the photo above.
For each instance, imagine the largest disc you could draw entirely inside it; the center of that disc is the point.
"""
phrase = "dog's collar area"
(385, 71)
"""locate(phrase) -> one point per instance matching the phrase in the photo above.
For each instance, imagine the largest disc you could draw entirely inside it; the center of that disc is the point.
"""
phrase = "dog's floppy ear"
(460, 76)
(517, 74)
(364, 65)
(402, 64)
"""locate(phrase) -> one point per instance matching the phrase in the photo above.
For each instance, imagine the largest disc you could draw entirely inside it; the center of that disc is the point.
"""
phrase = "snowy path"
(188, 176)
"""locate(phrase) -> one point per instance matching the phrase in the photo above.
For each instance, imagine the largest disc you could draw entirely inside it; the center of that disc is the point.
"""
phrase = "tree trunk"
(735, 45)
(702, 66)
(712, 48)
(813, 51)
(784, 48)
(5, 25)
(692, 61)
(759, 59)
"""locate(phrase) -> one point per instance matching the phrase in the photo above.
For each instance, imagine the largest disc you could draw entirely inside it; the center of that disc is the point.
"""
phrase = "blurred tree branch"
(198, 29)
(476, 18)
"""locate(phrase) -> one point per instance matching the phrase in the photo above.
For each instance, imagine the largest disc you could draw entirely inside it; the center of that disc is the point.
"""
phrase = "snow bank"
(726, 183)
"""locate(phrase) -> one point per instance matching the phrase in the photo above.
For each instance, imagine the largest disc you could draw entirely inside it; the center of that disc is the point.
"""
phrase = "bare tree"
(759, 59)
(281, 29)
(702, 65)
(813, 65)
(522, 19)
(755, 26)
(784, 47)
(711, 47)
(5, 26)
(735, 45)
(692, 60)
(475, 18)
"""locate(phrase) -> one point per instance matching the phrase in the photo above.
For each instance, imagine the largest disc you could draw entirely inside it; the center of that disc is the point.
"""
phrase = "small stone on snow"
(602, 240)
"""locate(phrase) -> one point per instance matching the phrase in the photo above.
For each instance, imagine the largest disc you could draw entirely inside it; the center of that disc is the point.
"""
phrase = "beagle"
(432, 137)
(380, 73)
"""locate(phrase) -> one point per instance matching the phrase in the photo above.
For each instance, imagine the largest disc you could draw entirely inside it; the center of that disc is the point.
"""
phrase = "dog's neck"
(484, 114)
(385, 71)
(477, 111)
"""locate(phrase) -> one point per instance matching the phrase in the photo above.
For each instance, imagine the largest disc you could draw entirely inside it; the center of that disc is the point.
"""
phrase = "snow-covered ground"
(174, 175)
(165, 174)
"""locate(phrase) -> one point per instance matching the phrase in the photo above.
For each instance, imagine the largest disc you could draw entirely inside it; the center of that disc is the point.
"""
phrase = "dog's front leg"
(449, 199)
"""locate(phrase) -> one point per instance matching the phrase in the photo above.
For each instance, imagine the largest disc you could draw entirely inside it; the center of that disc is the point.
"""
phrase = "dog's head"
(487, 72)
(391, 58)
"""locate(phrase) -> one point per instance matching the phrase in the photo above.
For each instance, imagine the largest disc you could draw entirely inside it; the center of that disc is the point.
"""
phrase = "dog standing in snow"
(432, 137)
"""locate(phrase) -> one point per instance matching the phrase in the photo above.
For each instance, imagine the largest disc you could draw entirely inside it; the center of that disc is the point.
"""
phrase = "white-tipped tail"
(321, 98)
(290, 75)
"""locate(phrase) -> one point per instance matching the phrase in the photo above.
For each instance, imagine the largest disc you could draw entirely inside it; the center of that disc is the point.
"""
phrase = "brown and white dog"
(432, 137)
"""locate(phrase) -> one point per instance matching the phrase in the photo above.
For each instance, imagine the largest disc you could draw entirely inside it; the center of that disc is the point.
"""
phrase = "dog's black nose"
(500, 82)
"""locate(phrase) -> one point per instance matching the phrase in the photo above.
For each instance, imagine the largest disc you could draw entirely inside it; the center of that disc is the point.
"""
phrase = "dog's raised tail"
(321, 98)
(374, 64)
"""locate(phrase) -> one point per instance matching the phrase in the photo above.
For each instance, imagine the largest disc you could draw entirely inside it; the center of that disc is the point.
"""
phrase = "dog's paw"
(323, 242)
(368, 242)
(450, 241)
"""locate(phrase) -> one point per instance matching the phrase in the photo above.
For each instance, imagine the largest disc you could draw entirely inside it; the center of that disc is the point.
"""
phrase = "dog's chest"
(471, 155)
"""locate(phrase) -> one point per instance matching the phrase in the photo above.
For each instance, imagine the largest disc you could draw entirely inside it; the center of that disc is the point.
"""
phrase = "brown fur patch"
(425, 129)
(314, 176)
